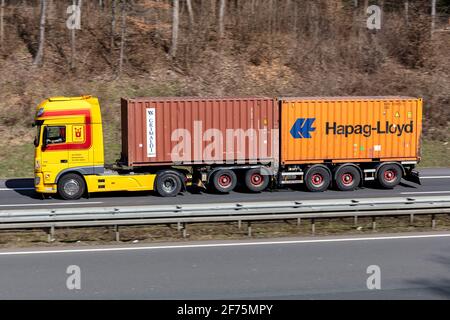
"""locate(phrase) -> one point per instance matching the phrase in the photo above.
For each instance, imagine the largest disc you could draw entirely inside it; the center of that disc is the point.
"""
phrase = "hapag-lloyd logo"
(368, 129)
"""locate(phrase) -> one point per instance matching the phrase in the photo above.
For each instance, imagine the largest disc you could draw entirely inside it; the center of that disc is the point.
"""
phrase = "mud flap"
(413, 176)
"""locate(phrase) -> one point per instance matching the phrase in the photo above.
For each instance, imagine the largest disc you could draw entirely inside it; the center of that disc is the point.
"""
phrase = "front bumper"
(41, 187)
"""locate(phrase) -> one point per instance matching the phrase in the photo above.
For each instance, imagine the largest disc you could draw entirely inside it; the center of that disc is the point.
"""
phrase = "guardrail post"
(179, 227)
(313, 226)
(184, 230)
(411, 218)
(51, 234)
(249, 228)
(239, 224)
(355, 220)
(374, 223)
(117, 233)
(433, 221)
(299, 222)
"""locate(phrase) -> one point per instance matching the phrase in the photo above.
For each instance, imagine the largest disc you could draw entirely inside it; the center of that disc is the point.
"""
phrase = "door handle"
(63, 161)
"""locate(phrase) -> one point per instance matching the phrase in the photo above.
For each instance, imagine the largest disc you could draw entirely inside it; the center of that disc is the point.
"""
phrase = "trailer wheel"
(389, 175)
(347, 178)
(224, 180)
(317, 179)
(71, 186)
(255, 181)
(168, 184)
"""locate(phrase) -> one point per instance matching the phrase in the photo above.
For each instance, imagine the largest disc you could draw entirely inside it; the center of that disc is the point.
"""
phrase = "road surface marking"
(435, 177)
(425, 192)
(218, 245)
(15, 189)
(49, 204)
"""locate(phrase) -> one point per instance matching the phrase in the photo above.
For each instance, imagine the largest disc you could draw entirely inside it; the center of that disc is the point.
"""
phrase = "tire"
(255, 181)
(317, 179)
(223, 181)
(168, 184)
(71, 187)
(347, 178)
(389, 175)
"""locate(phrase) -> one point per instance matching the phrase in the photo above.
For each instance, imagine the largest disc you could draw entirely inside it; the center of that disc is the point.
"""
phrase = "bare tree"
(78, 4)
(2, 28)
(190, 11)
(406, 11)
(221, 17)
(175, 27)
(433, 16)
(40, 52)
(113, 22)
(123, 32)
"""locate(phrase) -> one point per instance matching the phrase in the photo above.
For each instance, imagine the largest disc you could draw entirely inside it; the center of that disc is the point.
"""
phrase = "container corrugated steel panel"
(350, 129)
(153, 127)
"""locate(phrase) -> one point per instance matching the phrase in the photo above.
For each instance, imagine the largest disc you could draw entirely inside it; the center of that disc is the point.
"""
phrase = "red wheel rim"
(224, 180)
(257, 179)
(317, 179)
(390, 175)
(347, 179)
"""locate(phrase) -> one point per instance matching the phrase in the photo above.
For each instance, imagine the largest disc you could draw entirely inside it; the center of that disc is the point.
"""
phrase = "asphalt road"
(411, 267)
(19, 194)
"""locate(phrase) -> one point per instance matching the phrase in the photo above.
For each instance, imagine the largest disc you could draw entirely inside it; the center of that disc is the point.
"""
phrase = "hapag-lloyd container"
(185, 131)
(350, 129)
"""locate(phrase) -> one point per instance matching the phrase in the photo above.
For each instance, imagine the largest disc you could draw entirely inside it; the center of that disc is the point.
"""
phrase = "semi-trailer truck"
(171, 143)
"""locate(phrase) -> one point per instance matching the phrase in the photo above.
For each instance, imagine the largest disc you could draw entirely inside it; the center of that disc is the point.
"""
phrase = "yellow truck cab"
(69, 154)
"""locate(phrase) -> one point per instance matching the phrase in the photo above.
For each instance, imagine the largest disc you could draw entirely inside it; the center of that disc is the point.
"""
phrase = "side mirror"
(44, 139)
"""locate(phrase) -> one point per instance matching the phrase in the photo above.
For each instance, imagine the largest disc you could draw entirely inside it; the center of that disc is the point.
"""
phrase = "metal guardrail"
(224, 212)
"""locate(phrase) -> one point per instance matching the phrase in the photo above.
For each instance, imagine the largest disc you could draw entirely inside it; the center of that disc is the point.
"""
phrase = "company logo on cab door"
(302, 128)
(84, 140)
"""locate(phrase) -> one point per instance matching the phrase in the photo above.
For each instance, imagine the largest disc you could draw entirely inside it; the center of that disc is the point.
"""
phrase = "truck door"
(54, 155)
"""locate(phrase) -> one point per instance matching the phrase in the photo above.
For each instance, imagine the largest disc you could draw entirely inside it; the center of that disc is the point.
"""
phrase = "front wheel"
(71, 187)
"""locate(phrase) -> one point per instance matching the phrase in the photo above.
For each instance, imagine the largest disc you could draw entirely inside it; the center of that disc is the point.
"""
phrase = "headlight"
(37, 181)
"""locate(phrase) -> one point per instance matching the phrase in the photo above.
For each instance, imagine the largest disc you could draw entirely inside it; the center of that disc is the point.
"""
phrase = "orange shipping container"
(350, 129)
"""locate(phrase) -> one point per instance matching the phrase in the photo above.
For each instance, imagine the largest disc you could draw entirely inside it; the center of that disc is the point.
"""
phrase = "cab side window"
(55, 135)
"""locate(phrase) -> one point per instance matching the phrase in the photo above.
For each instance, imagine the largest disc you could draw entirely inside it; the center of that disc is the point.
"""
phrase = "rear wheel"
(255, 181)
(348, 178)
(168, 184)
(223, 181)
(389, 175)
(317, 179)
(71, 187)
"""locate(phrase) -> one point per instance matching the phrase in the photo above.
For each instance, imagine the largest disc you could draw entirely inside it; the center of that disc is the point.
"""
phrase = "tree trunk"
(113, 23)
(2, 26)
(40, 52)
(433, 15)
(221, 18)
(73, 37)
(407, 11)
(123, 34)
(175, 27)
(190, 12)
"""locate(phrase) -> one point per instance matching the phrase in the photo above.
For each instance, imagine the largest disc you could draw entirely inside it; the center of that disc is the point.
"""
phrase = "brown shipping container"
(350, 129)
(166, 131)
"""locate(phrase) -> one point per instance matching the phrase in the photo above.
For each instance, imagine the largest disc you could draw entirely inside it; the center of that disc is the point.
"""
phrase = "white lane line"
(425, 192)
(435, 177)
(49, 204)
(15, 189)
(234, 244)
